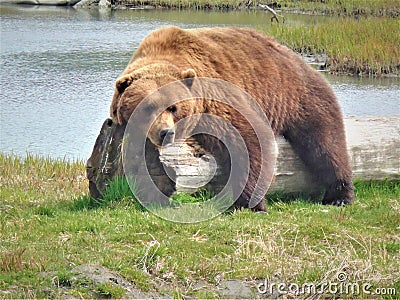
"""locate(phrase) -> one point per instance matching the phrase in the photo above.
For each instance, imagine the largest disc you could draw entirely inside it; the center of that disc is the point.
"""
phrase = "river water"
(58, 67)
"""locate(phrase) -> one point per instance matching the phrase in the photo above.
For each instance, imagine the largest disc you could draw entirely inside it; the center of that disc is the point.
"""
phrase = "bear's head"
(145, 83)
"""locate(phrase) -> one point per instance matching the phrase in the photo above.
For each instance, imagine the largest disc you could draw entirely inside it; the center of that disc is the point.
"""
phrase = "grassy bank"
(366, 47)
(383, 8)
(49, 226)
(388, 8)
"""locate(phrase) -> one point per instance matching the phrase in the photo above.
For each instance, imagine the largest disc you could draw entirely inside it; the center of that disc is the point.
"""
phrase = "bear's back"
(228, 53)
(274, 75)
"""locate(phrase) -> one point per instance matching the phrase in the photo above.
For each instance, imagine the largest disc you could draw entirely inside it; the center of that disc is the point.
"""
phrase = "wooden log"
(373, 145)
(272, 11)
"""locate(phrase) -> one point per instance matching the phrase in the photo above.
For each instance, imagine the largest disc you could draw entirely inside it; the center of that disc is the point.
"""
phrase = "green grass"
(109, 291)
(368, 46)
(45, 229)
(199, 196)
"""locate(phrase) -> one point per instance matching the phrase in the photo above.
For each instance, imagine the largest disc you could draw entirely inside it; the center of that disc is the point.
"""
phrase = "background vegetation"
(385, 8)
(390, 8)
(48, 226)
(365, 47)
(361, 37)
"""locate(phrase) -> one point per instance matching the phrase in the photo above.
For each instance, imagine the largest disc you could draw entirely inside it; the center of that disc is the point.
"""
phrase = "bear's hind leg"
(322, 147)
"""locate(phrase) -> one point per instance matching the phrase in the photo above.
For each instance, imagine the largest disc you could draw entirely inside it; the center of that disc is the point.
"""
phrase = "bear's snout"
(167, 136)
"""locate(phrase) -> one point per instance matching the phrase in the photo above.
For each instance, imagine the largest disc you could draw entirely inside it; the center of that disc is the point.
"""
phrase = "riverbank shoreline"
(382, 8)
(296, 8)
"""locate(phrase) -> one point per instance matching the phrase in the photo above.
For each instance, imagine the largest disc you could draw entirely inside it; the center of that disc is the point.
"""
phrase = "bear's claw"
(337, 202)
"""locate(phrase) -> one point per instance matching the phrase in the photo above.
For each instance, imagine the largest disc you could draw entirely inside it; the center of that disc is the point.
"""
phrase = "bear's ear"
(188, 77)
(122, 83)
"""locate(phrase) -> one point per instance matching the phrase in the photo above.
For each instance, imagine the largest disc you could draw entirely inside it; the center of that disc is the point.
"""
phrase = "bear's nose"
(167, 136)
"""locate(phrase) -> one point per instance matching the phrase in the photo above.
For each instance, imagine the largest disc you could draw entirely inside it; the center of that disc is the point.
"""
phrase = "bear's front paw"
(337, 202)
(340, 193)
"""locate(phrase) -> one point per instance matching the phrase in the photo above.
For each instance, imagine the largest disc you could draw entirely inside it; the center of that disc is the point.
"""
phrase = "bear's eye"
(172, 109)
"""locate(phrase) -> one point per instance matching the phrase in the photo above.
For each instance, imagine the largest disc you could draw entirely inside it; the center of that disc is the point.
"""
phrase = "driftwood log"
(273, 12)
(373, 145)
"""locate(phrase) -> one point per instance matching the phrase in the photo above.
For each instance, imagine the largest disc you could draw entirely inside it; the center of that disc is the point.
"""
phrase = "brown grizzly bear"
(295, 98)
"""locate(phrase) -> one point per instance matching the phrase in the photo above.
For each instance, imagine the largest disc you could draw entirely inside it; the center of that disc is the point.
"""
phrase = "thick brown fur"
(296, 99)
